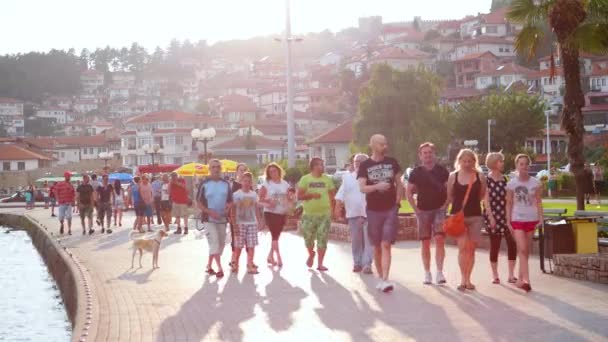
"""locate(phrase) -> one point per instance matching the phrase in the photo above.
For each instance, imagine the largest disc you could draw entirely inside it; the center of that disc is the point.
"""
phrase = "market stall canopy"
(122, 177)
(157, 168)
(229, 165)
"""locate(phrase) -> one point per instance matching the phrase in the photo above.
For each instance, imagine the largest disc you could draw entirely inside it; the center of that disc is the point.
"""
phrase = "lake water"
(31, 307)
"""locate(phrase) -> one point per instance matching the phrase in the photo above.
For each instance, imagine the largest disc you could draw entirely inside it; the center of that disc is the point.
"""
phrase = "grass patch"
(569, 206)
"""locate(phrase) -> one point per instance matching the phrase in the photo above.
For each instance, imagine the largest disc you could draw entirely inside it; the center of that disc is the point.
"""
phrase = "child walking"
(247, 220)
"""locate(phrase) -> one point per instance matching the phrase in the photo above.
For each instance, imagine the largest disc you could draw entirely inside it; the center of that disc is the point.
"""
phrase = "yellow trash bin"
(585, 236)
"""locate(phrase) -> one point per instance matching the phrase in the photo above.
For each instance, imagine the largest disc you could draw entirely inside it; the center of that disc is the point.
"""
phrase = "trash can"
(558, 238)
(585, 236)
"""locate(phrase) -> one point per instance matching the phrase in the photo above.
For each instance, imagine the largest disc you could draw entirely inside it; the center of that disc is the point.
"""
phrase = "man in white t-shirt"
(351, 198)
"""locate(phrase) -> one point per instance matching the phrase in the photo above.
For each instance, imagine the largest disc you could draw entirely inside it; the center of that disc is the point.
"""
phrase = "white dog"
(148, 245)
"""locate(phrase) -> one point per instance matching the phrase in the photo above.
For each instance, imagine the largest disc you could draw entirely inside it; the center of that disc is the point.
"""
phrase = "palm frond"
(529, 39)
(591, 38)
(529, 12)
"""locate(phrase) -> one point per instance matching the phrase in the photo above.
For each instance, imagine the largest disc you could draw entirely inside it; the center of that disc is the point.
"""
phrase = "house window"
(62, 154)
(21, 166)
(91, 150)
(491, 29)
(6, 166)
(603, 82)
(330, 156)
(500, 49)
(179, 140)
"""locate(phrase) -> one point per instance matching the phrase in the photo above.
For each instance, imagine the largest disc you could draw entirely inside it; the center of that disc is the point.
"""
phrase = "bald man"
(380, 180)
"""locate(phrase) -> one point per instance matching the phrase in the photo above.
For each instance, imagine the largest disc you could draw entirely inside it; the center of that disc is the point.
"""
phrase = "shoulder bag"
(454, 224)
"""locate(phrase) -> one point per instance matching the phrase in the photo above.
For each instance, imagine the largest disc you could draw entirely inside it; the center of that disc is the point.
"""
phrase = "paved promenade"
(178, 302)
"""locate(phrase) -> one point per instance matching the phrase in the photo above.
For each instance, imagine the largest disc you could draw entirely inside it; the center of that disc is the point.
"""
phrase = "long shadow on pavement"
(133, 275)
(207, 307)
(340, 310)
(282, 300)
(503, 322)
(118, 237)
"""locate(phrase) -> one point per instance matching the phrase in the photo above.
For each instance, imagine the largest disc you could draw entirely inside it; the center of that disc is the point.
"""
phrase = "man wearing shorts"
(104, 198)
(179, 199)
(317, 190)
(165, 202)
(84, 199)
(429, 182)
(65, 195)
(147, 198)
(214, 198)
(157, 183)
(138, 204)
(380, 179)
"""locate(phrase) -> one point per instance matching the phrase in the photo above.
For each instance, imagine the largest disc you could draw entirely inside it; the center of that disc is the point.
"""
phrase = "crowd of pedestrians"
(369, 199)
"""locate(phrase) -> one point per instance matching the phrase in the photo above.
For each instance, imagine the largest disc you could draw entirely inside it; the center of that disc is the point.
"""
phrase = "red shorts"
(525, 226)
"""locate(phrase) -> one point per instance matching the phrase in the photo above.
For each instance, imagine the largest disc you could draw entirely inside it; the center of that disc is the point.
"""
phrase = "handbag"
(454, 224)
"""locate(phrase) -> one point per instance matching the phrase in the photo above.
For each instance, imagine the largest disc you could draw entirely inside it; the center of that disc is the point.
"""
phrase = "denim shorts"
(65, 212)
(382, 225)
(430, 223)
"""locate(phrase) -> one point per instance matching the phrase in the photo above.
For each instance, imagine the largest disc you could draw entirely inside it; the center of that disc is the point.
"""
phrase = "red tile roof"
(240, 142)
(18, 152)
(449, 24)
(238, 103)
(397, 53)
(9, 100)
(343, 133)
(598, 70)
(507, 69)
(485, 40)
(162, 116)
(73, 141)
(460, 93)
(477, 55)
(536, 74)
(499, 16)
(412, 36)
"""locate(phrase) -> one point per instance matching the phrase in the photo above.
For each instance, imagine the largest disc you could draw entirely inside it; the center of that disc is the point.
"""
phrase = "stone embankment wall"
(591, 267)
(66, 271)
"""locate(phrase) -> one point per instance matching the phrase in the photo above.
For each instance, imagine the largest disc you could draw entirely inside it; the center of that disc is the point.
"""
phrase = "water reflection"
(30, 303)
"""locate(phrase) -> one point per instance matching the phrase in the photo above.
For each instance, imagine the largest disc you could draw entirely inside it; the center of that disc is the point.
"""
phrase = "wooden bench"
(559, 212)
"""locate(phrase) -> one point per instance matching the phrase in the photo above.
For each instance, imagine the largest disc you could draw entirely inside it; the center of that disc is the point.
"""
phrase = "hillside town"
(134, 118)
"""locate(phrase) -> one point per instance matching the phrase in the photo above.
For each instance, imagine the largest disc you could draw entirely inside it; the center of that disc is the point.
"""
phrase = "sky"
(40, 25)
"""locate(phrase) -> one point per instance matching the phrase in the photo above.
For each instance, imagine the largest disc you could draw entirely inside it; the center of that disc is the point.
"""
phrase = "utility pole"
(291, 155)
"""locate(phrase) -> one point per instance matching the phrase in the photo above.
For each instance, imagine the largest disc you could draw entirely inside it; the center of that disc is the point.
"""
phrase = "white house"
(85, 105)
(404, 59)
(176, 145)
(118, 91)
(502, 76)
(71, 149)
(330, 58)
(236, 109)
(273, 100)
(598, 80)
(500, 47)
(125, 79)
(20, 156)
(261, 150)
(333, 146)
(11, 116)
(56, 114)
(91, 80)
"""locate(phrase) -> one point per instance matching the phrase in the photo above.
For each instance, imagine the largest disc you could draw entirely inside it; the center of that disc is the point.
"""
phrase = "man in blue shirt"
(214, 198)
(156, 187)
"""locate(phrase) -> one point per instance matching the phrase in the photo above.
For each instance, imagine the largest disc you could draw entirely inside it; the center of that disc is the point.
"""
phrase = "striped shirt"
(64, 193)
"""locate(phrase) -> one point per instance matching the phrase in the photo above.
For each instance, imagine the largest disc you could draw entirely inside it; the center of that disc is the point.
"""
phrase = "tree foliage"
(403, 106)
(29, 76)
(517, 116)
(41, 127)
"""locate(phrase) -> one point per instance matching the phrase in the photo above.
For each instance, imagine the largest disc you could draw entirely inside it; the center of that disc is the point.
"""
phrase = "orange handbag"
(454, 224)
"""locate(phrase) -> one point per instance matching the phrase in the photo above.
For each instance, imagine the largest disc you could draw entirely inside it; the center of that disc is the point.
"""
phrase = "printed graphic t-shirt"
(376, 172)
(317, 185)
(245, 204)
(525, 208)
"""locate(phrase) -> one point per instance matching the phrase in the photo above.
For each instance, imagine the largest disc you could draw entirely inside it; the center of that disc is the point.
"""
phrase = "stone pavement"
(178, 302)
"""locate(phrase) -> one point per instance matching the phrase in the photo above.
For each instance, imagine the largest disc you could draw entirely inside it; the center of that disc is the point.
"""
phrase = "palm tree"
(578, 26)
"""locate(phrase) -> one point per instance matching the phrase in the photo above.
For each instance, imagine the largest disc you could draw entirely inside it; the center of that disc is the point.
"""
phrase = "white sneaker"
(387, 287)
(440, 278)
(428, 278)
(380, 285)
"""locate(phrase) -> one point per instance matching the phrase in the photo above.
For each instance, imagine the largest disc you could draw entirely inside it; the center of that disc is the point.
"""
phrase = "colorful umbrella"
(122, 177)
(192, 169)
(229, 165)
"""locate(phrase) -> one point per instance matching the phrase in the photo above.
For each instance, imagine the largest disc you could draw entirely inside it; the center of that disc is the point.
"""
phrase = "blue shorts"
(148, 212)
(382, 225)
(65, 212)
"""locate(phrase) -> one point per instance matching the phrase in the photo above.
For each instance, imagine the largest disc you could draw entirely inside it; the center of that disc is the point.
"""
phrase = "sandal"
(512, 280)
(234, 268)
(252, 270)
(210, 271)
(219, 274)
(271, 261)
(461, 288)
(496, 281)
(322, 269)
(526, 287)
(470, 287)
(311, 259)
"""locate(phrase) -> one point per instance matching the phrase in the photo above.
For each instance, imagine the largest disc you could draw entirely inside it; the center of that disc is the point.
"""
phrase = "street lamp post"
(491, 122)
(205, 136)
(548, 147)
(105, 156)
(152, 151)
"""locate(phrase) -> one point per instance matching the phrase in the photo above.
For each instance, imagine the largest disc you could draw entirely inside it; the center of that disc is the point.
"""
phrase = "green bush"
(293, 175)
(566, 182)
